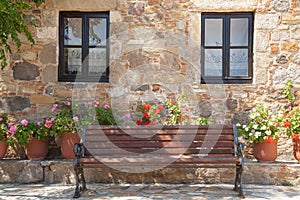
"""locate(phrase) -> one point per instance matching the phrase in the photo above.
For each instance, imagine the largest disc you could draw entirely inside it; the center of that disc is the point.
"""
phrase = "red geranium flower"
(146, 115)
(139, 122)
(287, 124)
(146, 107)
(295, 136)
(160, 107)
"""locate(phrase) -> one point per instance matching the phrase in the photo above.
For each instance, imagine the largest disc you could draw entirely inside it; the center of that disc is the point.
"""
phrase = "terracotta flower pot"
(67, 144)
(296, 148)
(265, 151)
(36, 149)
(3, 148)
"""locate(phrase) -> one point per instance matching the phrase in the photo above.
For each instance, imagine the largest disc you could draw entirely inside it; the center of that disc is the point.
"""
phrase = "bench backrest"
(216, 143)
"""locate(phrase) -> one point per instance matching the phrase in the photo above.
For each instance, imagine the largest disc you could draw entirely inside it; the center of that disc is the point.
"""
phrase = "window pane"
(239, 62)
(213, 32)
(73, 60)
(213, 62)
(97, 33)
(239, 32)
(97, 61)
(72, 31)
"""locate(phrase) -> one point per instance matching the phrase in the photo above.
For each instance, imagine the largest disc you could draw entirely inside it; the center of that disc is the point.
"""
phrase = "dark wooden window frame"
(226, 78)
(65, 77)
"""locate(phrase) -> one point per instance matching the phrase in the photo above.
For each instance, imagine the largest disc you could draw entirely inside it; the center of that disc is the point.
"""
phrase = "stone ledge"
(61, 171)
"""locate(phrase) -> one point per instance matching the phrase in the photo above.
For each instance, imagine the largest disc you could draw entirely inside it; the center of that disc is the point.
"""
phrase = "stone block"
(41, 99)
(91, 5)
(7, 87)
(280, 5)
(290, 46)
(136, 8)
(14, 104)
(115, 17)
(266, 21)
(49, 74)
(13, 171)
(25, 71)
(48, 54)
(46, 33)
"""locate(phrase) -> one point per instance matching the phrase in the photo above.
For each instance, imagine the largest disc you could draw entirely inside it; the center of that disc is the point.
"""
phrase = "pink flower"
(11, 131)
(24, 122)
(54, 107)
(52, 119)
(75, 119)
(13, 128)
(69, 103)
(96, 103)
(106, 106)
(39, 123)
(1, 119)
(48, 123)
(127, 116)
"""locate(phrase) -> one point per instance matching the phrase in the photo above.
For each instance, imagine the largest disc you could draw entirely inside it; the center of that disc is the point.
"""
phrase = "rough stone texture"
(21, 172)
(205, 108)
(48, 54)
(157, 42)
(136, 8)
(41, 99)
(61, 171)
(280, 5)
(25, 71)
(49, 74)
(14, 104)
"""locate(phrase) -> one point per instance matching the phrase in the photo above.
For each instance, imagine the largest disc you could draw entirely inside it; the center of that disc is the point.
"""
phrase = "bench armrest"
(240, 150)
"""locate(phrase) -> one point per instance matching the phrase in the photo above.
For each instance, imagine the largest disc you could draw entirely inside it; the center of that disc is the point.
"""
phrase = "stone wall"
(155, 54)
(61, 171)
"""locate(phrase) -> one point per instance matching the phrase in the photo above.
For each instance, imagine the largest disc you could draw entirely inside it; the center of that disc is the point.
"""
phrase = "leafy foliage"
(13, 23)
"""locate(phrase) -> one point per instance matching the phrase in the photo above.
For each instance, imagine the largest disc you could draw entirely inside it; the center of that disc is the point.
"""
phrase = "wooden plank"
(154, 145)
(170, 151)
(155, 161)
(125, 138)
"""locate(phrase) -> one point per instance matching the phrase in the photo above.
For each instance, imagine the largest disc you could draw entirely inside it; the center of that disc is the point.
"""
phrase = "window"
(83, 47)
(226, 47)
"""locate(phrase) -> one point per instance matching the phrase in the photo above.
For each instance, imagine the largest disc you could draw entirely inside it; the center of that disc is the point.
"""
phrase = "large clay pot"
(36, 149)
(296, 148)
(67, 144)
(265, 151)
(3, 148)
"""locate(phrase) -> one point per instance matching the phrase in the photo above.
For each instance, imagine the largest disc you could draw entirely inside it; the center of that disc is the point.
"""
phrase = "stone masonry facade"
(155, 54)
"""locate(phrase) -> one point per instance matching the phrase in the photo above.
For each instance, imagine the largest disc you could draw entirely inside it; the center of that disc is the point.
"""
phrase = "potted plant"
(3, 135)
(263, 131)
(291, 119)
(67, 121)
(31, 136)
(291, 126)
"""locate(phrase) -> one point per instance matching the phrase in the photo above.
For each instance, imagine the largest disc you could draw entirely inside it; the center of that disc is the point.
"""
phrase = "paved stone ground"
(148, 192)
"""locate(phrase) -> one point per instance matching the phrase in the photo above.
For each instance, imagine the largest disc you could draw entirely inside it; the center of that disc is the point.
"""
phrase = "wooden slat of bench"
(158, 160)
(156, 145)
(165, 137)
(168, 151)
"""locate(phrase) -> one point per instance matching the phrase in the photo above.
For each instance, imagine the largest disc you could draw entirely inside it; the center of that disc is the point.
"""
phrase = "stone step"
(61, 171)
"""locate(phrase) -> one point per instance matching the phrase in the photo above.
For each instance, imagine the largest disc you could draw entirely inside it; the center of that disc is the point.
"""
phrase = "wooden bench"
(144, 148)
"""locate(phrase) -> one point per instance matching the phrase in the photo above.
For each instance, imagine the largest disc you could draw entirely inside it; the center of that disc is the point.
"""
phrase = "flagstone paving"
(148, 192)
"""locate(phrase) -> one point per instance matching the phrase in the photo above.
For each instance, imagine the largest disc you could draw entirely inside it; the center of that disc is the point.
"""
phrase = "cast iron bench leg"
(80, 182)
(238, 181)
